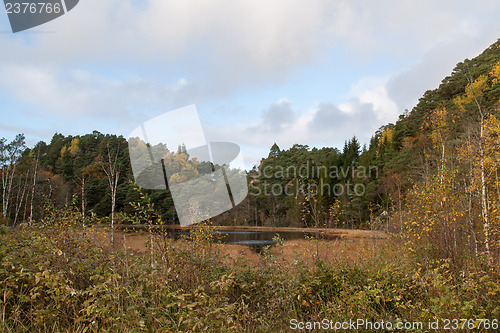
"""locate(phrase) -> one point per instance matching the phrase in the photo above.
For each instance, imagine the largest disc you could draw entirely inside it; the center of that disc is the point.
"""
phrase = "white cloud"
(125, 60)
(406, 87)
(324, 124)
(80, 93)
(373, 91)
(227, 44)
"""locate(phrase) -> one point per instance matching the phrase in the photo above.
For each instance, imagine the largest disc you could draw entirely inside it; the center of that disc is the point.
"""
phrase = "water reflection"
(256, 240)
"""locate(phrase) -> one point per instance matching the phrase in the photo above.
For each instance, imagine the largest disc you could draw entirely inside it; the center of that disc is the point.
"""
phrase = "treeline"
(315, 187)
(71, 170)
(93, 173)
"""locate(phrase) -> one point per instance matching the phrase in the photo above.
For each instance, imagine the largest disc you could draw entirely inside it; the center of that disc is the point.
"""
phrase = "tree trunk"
(10, 180)
(83, 201)
(484, 200)
(112, 171)
(18, 208)
(33, 187)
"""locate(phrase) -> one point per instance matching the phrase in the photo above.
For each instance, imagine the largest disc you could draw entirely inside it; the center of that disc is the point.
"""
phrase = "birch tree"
(473, 99)
(9, 155)
(111, 169)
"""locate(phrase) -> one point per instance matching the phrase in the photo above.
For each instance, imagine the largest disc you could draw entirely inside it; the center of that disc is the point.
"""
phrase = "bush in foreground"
(61, 278)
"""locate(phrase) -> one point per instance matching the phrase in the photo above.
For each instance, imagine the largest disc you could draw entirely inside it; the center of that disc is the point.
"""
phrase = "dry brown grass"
(351, 245)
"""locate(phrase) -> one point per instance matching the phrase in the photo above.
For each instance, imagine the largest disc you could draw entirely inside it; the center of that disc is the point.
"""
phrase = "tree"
(9, 155)
(89, 171)
(35, 169)
(436, 225)
(111, 168)
(474, 99)
(275, 150)
(439, 132)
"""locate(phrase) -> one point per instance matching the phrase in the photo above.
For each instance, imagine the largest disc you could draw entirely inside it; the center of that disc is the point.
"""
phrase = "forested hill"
(450, 88)
(452, 132)
(440, 122)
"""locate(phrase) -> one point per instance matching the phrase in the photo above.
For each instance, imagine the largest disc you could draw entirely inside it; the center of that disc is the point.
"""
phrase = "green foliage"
(299, 186)
(60, 278)
(144, 211)
(201, 237)
(4, 229)
(437, 225)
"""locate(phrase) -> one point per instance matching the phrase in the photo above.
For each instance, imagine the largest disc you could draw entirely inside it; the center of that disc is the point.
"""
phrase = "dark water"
(256, 240)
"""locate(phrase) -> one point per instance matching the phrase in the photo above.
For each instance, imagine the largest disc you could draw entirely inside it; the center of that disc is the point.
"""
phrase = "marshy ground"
(325, 244)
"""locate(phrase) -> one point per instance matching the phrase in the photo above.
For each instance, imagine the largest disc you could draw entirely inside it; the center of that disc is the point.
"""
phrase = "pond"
(256, 240)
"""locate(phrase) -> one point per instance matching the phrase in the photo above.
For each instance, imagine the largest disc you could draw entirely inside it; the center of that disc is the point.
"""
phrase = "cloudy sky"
(285, 71)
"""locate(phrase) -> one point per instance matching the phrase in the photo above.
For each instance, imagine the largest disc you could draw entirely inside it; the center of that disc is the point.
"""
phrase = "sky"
(286, 71)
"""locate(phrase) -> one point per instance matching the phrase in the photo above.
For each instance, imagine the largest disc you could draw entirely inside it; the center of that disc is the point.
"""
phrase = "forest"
(430, 182)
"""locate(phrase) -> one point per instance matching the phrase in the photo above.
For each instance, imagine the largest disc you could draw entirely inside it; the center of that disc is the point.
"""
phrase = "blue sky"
(286, 71)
